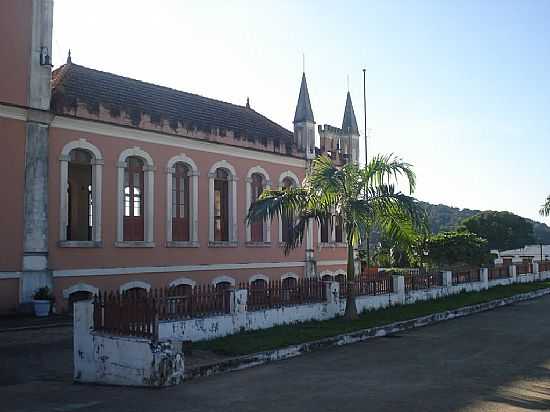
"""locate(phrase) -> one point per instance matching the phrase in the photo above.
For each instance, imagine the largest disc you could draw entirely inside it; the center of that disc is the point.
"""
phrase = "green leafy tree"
(454, 249)
(502, 230)
(545, 209)
(331, 190)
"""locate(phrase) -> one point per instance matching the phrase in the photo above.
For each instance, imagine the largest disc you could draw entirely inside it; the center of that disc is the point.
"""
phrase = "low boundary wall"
(118, 360)
(132, 361)
(240, 319)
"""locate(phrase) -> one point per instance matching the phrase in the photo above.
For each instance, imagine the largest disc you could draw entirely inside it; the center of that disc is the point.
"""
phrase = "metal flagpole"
(366, 158)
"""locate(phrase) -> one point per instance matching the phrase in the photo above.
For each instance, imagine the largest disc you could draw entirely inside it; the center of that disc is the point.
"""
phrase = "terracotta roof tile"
(75, 83)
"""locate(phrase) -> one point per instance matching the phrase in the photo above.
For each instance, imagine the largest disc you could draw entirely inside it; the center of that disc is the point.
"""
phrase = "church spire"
(349, 123)
(303, 107)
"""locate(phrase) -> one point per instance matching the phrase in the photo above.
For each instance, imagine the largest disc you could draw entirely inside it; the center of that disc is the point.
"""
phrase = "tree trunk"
(351, 309)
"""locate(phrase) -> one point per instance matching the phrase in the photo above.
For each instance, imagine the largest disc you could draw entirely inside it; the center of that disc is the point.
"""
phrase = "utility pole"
(365, 111)
(367, 234)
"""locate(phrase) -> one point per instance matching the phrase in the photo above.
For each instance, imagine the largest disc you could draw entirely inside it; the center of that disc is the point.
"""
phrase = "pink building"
(112, 183)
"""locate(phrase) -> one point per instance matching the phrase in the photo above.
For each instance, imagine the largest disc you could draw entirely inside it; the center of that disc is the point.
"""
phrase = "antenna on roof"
(303, 62)
(247, 102)
(347, 78)
(69, 61)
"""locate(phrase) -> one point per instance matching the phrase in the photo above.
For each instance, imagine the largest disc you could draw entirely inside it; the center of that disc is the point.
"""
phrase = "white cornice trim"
(172, 269)
(88, 126)
(12, 112)
(10, 275)
(187, 268)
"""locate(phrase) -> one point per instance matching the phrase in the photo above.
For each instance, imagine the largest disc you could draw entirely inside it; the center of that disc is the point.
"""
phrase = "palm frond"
(384, 168)
(545, 209)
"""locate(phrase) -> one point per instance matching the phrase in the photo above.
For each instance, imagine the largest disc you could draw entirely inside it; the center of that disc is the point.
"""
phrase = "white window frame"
(224, 278)
(80, 287)
(149, 183)
(182, 281)
(193, 199)
(289, 275)
(232, 200)
(97, 171)
(258, 276)
(266, 224)
(136, 284)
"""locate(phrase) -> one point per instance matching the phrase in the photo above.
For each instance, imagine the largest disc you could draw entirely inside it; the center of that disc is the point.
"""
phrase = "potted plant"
(42, 301)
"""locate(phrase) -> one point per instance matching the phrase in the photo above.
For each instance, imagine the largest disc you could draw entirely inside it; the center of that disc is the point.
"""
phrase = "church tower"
(350, 132)
(304, 123)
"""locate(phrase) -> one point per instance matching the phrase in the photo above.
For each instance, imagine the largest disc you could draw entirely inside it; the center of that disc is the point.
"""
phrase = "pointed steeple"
(349, 124)
(303, 107)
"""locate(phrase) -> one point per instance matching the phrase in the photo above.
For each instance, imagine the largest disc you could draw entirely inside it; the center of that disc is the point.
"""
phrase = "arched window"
(134, 197)
(180, 203)
(258, 284)
(257, 228)
(80, 198)
(182, 290)
(257, 181)
(289, 282)
(286, 222)
(340, 278)
(136, 293)
(78, 292)
(224, 285)
(77, 297)
(222, 205)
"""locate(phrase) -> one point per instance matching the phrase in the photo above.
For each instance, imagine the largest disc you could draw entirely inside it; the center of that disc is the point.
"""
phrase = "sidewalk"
(25, 321)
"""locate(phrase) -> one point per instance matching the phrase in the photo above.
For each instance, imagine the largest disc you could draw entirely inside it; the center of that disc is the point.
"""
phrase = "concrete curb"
(260, 358)
(36, 327)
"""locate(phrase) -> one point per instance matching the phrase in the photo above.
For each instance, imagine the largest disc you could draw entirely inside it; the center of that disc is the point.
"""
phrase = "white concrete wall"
(115, 360)
(139, 362)
(242, 320)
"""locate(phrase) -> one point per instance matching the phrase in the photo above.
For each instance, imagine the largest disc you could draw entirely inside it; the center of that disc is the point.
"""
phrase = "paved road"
(495, 361)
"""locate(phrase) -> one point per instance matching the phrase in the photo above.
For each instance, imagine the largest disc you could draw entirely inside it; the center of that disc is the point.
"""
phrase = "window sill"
(136, 243)
(79, 244)
(258, 244)
(178, 243)
(231, 243)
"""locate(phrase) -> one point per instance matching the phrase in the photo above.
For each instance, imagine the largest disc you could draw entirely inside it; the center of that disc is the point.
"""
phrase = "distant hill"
(443, 217)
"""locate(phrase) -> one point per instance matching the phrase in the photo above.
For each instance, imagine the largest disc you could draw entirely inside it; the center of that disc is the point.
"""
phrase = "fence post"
(333, 292)
(399, 287)
(536, 271)
(238, 300)
(447, 278)
(484, 278)
(83, 347)
(512, 271)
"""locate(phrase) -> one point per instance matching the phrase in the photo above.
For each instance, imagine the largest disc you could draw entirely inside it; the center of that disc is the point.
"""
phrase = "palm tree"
(359, 196)
(545, 210)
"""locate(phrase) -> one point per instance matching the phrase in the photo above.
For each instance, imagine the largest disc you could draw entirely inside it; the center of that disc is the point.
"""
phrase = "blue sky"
(460, 89)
